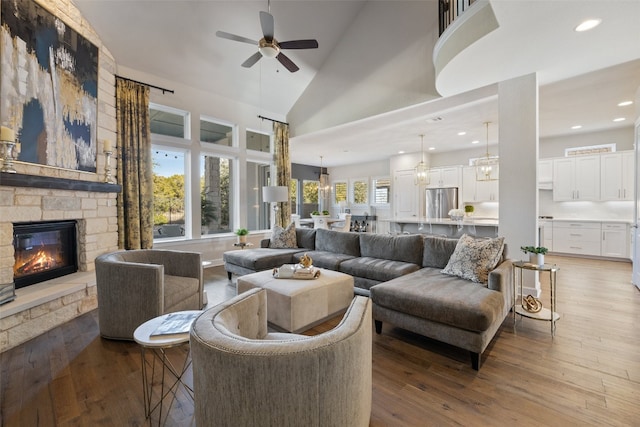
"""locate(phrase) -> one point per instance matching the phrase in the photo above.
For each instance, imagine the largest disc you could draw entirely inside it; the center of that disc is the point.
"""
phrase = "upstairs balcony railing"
(449, 10)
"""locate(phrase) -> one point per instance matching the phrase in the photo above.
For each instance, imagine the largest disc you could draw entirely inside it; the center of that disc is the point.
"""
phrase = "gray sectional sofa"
(403, 276)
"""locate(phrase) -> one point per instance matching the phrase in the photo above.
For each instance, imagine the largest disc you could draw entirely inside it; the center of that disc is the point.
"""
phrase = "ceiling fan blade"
(252, 60)
(299, 44)
(288, 64)
(266, 21)
(225, 35)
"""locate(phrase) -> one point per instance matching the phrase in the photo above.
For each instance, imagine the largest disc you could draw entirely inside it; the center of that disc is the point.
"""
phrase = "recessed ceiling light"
(587, 25)
(625, 103)
(401, 152)
(432, 148)
(619, 119)
(576, 127)
(462, 133)
(475, 142)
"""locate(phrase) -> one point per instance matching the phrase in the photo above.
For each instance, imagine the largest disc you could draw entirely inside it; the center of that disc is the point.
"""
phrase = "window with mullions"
(168, 193)
(257, 176)
(381, 191)
(215, 194)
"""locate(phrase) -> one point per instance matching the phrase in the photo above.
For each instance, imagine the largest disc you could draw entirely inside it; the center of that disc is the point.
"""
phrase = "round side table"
(158, 370)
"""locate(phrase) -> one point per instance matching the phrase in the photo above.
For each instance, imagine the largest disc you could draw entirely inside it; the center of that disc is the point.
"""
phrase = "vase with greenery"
(536, 254)
(242, 235)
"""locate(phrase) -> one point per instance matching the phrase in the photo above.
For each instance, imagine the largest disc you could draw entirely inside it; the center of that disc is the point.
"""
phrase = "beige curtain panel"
(283, 169)
(135, 169)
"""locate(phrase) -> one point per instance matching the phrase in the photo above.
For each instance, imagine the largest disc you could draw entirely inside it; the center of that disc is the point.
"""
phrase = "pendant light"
(325, 187)
(422, 170)
(487, 167)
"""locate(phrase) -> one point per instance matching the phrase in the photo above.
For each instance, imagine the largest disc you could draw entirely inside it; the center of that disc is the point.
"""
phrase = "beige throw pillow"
(283, 238)
(473, 258)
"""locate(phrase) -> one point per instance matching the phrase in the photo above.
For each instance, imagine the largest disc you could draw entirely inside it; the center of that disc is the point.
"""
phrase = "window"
(340, 192)
(360, 191)
(309, 197)
(258, 141)
(216, 133)
(215, 194)
(257, 211)
(168, 121)
(381, 191)
(168, 193)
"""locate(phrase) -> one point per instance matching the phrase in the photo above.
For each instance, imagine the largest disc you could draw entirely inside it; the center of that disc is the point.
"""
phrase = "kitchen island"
(483, 227)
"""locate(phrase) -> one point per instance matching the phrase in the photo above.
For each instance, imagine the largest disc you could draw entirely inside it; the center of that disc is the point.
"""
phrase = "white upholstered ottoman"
(296, 305)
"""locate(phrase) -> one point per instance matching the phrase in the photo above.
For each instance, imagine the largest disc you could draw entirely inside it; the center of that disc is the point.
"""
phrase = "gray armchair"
(137, 285)
(246, 376)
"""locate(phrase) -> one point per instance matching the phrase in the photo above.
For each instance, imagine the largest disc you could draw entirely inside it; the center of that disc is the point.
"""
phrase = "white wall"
(360, 77)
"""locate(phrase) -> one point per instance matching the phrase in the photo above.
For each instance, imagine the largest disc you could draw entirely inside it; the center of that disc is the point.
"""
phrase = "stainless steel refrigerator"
(440, 201)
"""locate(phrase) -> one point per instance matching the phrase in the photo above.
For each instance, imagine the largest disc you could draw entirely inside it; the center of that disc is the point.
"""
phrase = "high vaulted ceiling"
(175, 39)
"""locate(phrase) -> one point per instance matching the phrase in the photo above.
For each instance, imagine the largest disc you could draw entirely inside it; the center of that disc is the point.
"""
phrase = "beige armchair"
(246, 376)
(137, 285)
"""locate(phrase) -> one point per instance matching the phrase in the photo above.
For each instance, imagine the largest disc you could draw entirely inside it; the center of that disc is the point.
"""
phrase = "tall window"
(168, 193)
(340, 191)
(381, 191)
(257, 211)
(215, 194)
(360, 192)
(309, 197)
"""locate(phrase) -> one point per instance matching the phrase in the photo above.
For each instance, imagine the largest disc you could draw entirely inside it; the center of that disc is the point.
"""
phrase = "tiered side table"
(549, 315)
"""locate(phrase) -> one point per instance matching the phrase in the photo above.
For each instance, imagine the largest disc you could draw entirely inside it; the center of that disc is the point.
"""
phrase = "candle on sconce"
(17, 148)
(107, 146)
(7, 134)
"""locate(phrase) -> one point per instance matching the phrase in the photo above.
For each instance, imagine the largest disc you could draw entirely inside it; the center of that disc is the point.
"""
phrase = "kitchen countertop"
(619, 221)
(483, 222)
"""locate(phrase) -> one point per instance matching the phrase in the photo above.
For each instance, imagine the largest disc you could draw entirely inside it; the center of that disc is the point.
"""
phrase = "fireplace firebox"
(43, 251)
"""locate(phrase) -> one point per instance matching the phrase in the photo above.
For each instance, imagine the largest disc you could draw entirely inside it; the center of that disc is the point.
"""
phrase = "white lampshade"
(275, 194)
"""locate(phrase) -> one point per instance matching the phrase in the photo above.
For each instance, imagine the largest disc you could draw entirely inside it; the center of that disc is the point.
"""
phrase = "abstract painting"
(48, 87)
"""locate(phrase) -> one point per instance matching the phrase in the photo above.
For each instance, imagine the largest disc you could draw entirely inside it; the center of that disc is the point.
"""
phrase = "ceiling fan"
(268, 46)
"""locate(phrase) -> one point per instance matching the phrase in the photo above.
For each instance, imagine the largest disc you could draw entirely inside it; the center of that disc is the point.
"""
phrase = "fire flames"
(35, 263)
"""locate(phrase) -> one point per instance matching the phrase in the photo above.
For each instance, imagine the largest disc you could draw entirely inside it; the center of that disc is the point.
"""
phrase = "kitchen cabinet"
(581, 238)
(576, 178)
(477, 191)
(406, 195)
(545, 174)
(617, 176)
(445, 177)
(615, 240)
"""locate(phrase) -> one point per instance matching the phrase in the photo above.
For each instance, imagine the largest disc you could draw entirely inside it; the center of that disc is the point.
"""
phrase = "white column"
(518, 142)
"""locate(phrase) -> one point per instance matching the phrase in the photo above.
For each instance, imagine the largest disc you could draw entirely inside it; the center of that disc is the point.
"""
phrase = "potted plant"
(242, 235)
(468, 210)
(536, 254)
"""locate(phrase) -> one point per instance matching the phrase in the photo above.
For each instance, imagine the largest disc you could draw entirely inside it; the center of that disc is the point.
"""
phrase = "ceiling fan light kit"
(268, 46)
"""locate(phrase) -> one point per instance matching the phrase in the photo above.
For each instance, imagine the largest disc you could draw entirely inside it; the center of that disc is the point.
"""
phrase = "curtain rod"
(146, 84)
(273, 120)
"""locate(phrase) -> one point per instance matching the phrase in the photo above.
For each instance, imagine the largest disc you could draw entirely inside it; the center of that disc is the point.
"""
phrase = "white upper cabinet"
(576, 178)
(617, 176)
(545, 174)
(477, 191)
(445, 177)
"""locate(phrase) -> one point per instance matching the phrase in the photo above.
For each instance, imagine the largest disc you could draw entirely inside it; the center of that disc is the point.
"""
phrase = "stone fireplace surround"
(40, 307)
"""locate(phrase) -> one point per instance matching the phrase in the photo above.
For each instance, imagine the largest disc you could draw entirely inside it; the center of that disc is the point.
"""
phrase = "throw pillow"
(283, 238)
(473, 258)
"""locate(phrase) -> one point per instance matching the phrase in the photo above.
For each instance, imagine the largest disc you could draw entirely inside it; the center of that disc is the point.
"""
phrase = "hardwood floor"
(589, 374)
